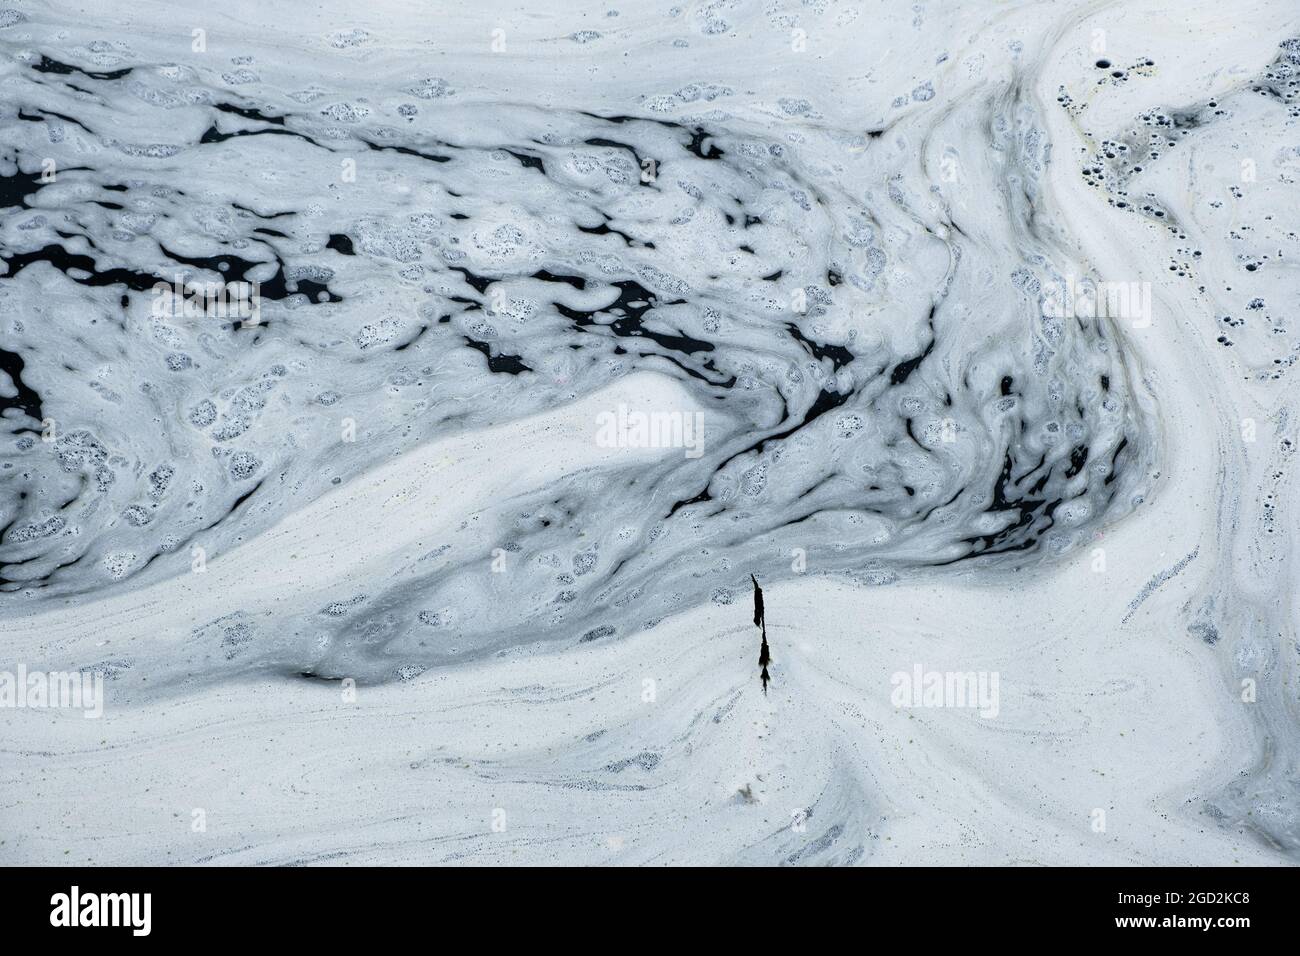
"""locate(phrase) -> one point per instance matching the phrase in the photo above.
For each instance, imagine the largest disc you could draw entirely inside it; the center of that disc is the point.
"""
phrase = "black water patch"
(701, 147)
(903, 370)
(604, 230)
(1078, 458)
(602, 143)
(15, 189)
(478, 283)
(27, 400)
(73, 266)
(838, 354)
(236, 268)
(341, 244)
(506, 364)
(528, 162)
(578, 282)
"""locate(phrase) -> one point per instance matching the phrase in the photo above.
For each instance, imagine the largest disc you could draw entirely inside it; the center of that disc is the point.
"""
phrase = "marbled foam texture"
(859, 249)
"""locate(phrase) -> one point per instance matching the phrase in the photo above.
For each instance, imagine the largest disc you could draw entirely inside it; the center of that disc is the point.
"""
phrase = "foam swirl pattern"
(475, 236)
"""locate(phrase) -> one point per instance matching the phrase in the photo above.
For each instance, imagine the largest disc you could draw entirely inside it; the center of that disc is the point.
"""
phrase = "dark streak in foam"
(760, 621)
(47, 65)
(826, 401)
(249, 113)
